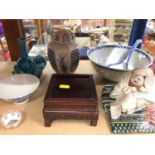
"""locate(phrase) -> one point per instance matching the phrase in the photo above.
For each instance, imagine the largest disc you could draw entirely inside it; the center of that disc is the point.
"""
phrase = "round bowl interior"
(109, 54)
(104, 55)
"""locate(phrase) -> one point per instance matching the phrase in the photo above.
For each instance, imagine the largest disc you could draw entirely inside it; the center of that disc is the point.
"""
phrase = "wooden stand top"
(82, 89)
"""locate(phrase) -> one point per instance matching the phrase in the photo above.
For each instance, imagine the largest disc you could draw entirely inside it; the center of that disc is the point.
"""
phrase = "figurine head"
(142, 77)
(137, 79)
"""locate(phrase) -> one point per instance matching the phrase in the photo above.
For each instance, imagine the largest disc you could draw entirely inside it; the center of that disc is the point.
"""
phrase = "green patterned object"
(126, 123)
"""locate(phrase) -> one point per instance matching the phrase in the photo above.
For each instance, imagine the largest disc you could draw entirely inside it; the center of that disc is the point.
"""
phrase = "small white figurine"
(134, 92)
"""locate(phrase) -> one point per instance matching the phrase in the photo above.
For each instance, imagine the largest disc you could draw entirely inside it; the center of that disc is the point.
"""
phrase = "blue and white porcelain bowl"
(102, 56)
(18, 87)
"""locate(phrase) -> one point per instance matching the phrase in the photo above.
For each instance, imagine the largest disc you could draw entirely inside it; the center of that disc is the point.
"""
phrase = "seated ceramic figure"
(133, 93)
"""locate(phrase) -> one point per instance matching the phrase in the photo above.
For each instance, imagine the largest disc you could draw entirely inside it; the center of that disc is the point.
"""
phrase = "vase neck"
(22, 46)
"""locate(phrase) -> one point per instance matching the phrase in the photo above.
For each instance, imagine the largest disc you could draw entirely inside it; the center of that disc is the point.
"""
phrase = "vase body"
(63, 52)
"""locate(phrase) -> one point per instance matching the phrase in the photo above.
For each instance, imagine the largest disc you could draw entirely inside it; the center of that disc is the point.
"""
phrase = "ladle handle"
(132, 49)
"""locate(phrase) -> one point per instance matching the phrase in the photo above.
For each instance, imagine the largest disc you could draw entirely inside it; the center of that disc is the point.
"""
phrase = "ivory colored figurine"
(133, 92)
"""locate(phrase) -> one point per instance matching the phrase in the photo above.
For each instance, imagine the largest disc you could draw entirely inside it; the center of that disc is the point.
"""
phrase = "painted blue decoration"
(137, 31)
(74, 59)
(26, 64)
(83, 53)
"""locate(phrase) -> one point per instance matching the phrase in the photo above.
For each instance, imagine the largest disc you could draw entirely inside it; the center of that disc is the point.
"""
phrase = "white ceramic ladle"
(125, 61)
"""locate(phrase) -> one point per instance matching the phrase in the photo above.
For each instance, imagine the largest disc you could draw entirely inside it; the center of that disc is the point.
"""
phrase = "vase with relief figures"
(63, 52)
(27, 64)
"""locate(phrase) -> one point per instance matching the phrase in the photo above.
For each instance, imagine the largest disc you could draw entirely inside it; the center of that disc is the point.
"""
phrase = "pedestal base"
(50, 116)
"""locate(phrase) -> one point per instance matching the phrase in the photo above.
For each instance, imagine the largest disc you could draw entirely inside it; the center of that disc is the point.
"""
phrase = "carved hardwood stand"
(79, 102)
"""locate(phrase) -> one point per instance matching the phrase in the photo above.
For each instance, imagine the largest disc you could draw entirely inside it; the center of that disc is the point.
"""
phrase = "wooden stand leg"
(47, 123)
(93, 122)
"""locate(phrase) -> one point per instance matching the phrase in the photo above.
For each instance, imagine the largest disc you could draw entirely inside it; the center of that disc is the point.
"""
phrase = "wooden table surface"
(33, 122)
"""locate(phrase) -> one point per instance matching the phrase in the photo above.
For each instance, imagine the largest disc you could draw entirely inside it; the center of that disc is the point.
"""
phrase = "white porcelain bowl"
(18, 87)
(104, 55)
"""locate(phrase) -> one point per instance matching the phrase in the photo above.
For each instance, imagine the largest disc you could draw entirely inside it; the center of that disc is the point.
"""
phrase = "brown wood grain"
(13, 29)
